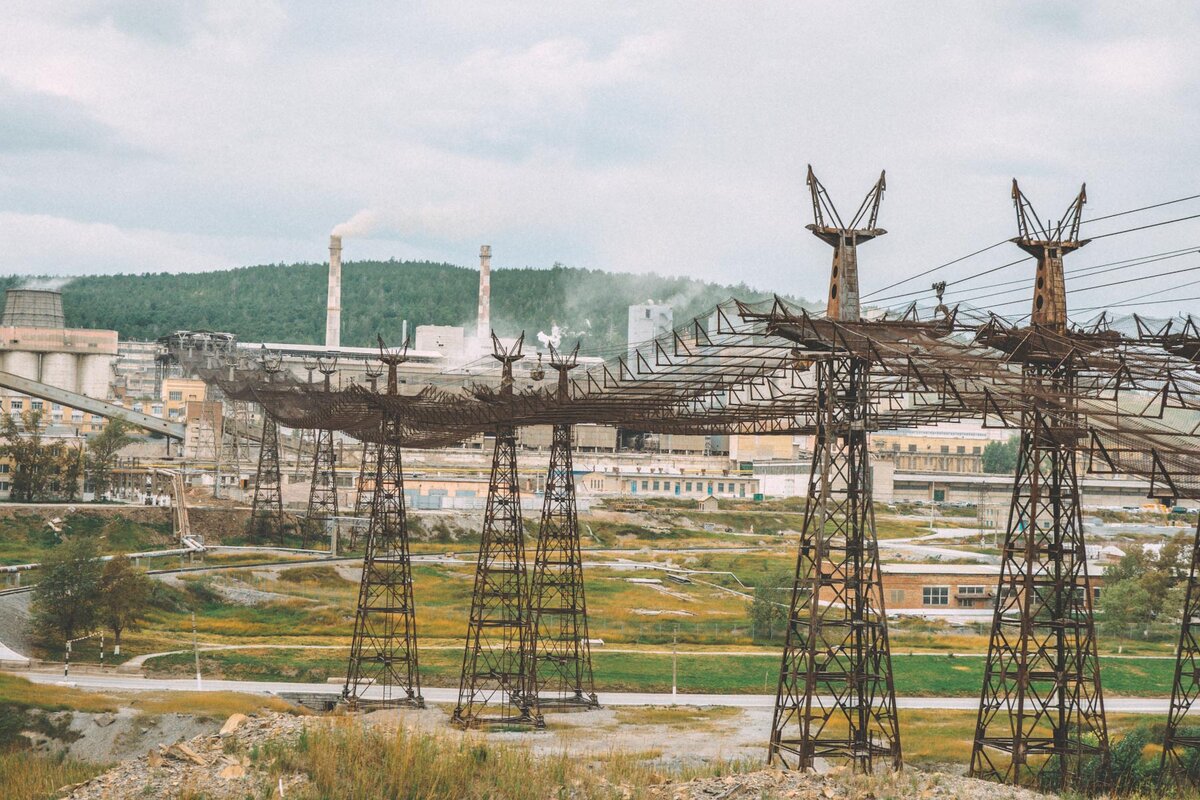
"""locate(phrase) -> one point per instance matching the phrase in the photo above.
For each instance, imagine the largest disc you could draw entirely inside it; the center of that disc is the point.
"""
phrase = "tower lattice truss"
(1041, 712)
(1180, 745)
(383, 655)
(836, 697)
(364, 497)
(560, 673)
(266, 515)
(493, 686)
(322, 497)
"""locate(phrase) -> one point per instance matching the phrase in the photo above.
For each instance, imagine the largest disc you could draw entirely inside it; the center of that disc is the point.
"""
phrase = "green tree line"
(286, 302)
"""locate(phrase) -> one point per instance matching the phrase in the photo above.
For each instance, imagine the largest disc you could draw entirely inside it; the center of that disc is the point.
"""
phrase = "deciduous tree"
(64, 600)
(102, 452)
(123, 595)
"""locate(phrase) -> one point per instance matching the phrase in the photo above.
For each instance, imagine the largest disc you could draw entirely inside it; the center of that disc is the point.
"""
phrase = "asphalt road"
(1116, 705)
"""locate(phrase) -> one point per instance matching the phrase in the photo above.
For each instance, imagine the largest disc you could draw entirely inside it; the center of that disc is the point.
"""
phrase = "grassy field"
(915, 676)
(26, 538)
(336, 760)
(29, 776)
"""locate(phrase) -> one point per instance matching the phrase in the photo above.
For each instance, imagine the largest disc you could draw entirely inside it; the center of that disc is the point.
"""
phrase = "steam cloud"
(361, 224)
(45, 284)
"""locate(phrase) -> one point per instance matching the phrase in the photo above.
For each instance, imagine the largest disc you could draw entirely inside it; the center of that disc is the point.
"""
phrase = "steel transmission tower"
(835, 697)
(1179, 748)
(266, 515)
(1041, 711)
(493, 686)
(560, 660)
(322, 495)
(384, 651)
(364, 495)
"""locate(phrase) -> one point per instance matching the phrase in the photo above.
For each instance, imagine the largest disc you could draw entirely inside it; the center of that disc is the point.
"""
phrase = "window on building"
(645, 484)
(895, 596)
(4, 469)
(935, 595)
(175, 395)
(1095, 593)
(174, 413)
(961, 449)
(55, 407)
(689, 486)
(971, 590)
(36, 405)
(156, 409)
(976, 450)
(945, 448)
(912, 448)
(895, 447)
(4, 486)
(656, 486)
(76, 416)
(720, 487)
(17, 405)
(633, 486)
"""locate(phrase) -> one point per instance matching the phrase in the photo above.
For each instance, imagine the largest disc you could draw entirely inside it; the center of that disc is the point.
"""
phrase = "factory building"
(648, 320)
(36, 344)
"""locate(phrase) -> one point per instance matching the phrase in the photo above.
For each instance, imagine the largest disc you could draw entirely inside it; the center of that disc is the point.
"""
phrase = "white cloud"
(670, 137)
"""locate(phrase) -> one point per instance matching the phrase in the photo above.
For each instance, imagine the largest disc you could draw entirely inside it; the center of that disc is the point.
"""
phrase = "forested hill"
(286, 303)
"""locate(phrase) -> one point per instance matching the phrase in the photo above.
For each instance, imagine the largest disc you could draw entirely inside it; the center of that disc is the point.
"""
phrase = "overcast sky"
(673, 137)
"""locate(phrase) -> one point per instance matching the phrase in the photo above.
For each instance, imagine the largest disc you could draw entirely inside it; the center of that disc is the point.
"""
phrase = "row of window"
(940, 595)
(689, 486)
(57, 416)
(945, 449)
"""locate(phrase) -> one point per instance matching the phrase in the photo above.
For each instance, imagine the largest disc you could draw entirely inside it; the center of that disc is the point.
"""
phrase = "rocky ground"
(220, 766)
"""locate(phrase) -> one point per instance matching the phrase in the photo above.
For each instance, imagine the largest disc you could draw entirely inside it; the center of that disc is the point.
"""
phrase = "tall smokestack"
(333, 307)
(484, 330)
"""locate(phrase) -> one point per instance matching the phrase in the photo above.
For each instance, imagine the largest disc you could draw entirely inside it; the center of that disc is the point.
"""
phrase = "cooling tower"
(33, 308)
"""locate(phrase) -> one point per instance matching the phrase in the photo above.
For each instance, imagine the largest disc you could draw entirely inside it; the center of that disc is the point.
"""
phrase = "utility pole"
(493, 687)
(196, 651)
(674, 659)
(1041, 707)
(837, 638)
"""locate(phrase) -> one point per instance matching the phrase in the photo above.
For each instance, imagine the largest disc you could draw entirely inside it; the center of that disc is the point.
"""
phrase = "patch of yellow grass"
(675, 715)
(215, 705)
(29, 776)
(348, 760)
(22, 692)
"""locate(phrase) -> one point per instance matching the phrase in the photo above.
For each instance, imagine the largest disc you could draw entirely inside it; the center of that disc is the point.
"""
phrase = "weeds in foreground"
(348, 761)
(30, 776)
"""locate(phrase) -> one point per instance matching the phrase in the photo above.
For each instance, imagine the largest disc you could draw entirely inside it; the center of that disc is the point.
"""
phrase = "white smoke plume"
(45, 284)
(361, 224)
(552, 339)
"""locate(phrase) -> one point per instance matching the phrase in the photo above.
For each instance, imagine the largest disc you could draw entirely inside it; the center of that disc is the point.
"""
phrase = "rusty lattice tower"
(322, 494)
(266, 514)
(835, 697)
(1041, 710)
(384, 651)
(493, 686)
(560, 660)
(1179, 747)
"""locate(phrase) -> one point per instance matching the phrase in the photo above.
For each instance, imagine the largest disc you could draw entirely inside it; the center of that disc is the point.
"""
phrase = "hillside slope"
(286, 302)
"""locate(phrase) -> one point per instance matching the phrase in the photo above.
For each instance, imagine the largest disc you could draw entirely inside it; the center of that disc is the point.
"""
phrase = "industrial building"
(36, 344)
